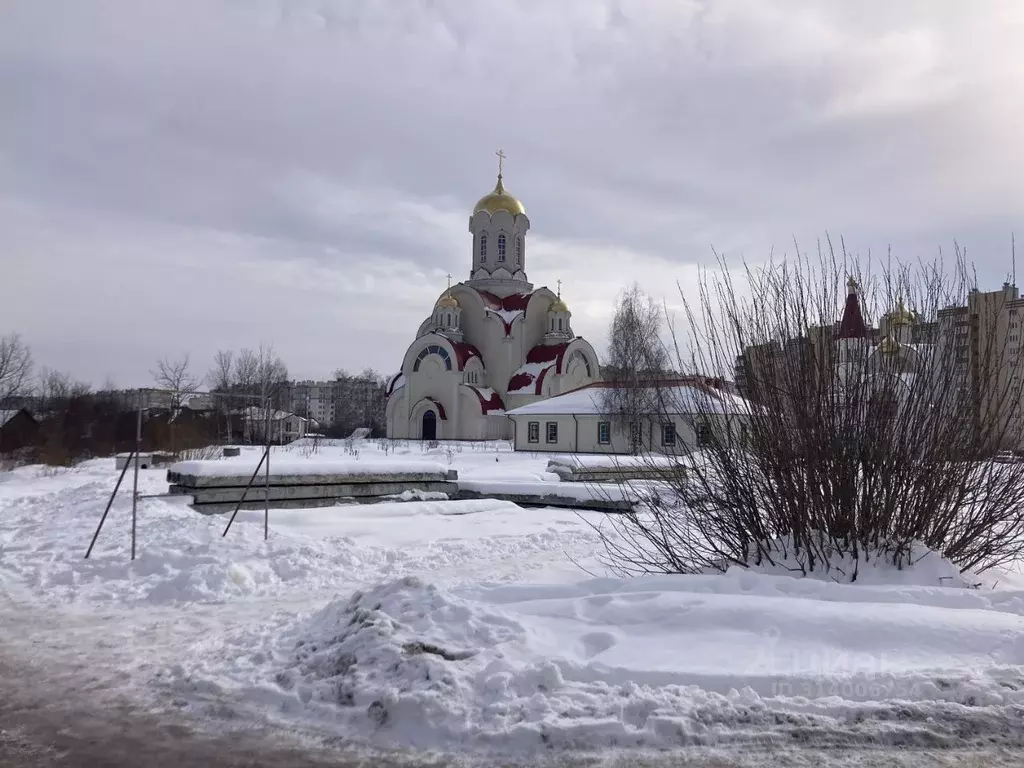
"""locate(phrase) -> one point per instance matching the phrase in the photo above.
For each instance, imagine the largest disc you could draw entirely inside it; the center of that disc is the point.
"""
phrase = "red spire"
(852, 326)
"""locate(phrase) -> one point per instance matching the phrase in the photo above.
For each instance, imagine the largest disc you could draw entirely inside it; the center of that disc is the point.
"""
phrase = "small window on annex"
(604, 432)
(552, 432)
(668, 434)
(501, 247)
(533, 432)
(704, 433)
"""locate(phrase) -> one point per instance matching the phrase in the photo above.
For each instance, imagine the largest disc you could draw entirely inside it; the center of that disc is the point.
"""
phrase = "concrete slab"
(279, 493)
(230, 480)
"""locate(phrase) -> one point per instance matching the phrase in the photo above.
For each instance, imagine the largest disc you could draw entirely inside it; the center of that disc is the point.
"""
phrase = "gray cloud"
(302, 172)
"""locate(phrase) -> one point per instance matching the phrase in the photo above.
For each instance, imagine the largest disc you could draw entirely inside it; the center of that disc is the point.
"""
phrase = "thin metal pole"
(135, 483)
(124, 469)
(266, 484)
(245, 491)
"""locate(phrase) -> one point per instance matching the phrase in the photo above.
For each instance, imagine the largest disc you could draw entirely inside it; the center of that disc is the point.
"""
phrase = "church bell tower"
(499, 225)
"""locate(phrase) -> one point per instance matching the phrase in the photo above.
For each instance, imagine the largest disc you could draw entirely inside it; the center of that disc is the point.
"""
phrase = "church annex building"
(492, 343)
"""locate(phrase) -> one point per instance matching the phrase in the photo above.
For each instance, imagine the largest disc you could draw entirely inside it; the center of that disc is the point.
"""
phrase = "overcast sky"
(203, 174)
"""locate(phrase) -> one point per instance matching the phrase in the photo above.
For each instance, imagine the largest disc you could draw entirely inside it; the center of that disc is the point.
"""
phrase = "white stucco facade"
(574, 423)
(492, 343)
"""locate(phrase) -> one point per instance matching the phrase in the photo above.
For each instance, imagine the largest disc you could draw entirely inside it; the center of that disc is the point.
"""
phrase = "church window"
(483, 247)
(559, 323)
(552, 432)
(501, 247)
(433, 349)
(519, 250)
(577, 355)
(533, 432)
(668, 434)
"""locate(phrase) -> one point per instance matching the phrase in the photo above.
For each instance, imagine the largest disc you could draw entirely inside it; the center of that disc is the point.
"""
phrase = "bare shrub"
(206, 453)
(15, 368)
(854, 444)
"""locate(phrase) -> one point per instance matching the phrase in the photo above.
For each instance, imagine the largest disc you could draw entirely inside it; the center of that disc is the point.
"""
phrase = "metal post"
(135, 483)
(110, 502)
(244, 491)
(266, 484)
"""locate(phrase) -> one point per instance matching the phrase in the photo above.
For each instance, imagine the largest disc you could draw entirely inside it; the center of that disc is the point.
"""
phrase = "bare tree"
(56, 389)
(220, 379)
(261, 373)
(15, 368)
(857, 444)
(636, 356)
(175, 377)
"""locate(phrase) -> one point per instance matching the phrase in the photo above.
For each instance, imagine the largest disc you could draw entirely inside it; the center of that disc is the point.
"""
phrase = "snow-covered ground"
(477, 625)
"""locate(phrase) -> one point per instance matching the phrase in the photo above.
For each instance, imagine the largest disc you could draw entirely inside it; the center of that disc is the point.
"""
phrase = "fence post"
(110, 502)
(266, 484)
(135, 483)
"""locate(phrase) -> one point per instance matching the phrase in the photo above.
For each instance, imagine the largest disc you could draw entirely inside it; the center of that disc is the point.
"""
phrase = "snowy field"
(478, 626)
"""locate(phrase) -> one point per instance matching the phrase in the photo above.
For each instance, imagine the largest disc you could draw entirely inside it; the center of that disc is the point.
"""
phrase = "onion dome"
(499, 200)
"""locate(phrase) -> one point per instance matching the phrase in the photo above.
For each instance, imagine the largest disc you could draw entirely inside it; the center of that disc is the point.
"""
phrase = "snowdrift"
(656, 662)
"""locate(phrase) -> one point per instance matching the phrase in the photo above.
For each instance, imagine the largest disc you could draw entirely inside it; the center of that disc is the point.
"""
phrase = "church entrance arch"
(429, 425)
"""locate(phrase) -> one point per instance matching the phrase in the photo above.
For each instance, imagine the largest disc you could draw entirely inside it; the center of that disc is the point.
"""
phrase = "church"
(492, 343)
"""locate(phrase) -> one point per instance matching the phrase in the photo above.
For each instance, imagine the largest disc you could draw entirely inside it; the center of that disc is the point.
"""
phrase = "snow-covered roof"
(257, 413)
(679, 399)
(395, 383)
(490, 401)
(7, 415)
(529, 378)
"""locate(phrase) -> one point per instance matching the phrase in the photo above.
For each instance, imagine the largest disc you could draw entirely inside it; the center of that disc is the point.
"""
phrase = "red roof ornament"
(852, 326)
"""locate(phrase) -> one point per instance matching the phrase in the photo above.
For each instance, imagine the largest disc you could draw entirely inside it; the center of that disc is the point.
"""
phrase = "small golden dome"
(499, 200)
(446, 302)
(558, 306)
(901, 315)
(888, 346)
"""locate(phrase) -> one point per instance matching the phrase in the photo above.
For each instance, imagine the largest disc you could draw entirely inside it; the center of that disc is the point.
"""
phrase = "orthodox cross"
(501, 159)
(559, 288)
(449, 276)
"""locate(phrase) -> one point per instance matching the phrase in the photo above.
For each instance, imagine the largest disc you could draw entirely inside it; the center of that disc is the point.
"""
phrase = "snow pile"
(402, 656)
(47, 519)
(601, 664)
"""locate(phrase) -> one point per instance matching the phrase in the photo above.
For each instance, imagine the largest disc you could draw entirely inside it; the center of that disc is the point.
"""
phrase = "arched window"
(501, 247)
(519, 250)
(577, 355)
(559, 323)
(433, 349)
(483, 247)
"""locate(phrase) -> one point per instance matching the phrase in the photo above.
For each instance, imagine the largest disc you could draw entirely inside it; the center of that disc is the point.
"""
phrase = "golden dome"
(446, 302)
(499, 200)
(901, 315)
(558, 306)
(888, 346)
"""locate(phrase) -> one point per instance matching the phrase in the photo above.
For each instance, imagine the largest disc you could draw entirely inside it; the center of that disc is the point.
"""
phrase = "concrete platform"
(235, 480)
(306, 492)
(542, 494)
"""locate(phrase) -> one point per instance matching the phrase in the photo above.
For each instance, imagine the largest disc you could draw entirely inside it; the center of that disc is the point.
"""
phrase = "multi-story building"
(977, 344)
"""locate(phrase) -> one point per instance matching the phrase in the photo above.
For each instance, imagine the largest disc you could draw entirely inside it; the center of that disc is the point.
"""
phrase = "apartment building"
(977, 344)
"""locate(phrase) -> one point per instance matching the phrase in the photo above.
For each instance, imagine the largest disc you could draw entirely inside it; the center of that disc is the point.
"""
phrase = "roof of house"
(680, 396)
(8, 414)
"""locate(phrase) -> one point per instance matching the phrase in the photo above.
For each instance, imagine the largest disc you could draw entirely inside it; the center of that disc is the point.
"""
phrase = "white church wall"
(536, 317)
